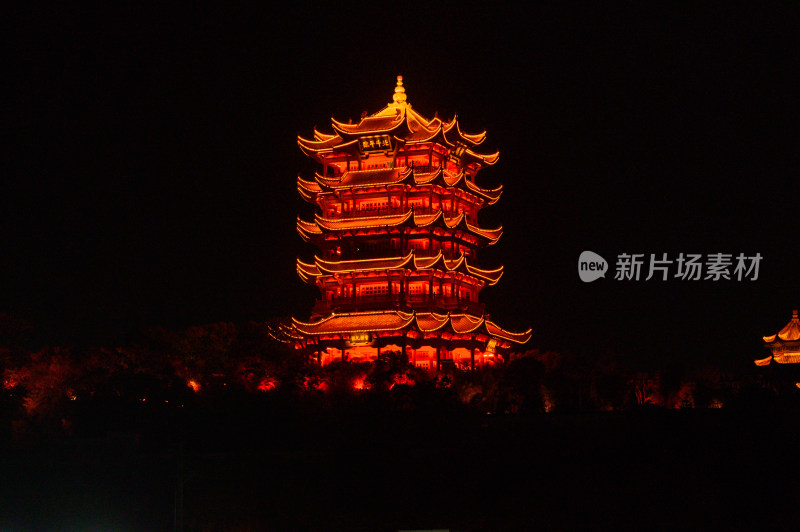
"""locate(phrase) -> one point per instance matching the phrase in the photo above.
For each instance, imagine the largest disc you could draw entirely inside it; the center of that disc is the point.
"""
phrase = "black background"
(150, 161)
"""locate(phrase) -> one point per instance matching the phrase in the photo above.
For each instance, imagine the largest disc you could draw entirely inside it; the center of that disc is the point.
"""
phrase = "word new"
(591, 266)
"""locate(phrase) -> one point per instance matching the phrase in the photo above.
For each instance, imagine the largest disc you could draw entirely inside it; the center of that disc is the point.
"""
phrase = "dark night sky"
(149, 172)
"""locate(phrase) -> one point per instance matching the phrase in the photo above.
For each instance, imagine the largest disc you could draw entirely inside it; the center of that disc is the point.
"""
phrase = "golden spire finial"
(399, 96)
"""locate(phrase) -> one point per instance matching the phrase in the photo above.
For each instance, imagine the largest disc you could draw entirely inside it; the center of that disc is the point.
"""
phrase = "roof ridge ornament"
(399, 96)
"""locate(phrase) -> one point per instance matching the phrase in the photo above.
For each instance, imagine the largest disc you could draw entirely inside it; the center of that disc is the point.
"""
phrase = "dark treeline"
(66, 388)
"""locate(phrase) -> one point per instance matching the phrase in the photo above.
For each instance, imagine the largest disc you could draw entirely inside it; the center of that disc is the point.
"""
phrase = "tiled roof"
(356, 322)
(464, 323)
(496, 330)
(394, 220)
(393, 320)
(393, 176)
(364, 178)
(404, 123)
(322, 267)
(429, 321)
(363, 222)
(790, 333)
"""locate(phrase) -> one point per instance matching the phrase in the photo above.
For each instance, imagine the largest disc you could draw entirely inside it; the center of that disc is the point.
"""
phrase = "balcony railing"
(360, 213)
(400, 163)
(416, 302)
(389, 211)
(387, 251)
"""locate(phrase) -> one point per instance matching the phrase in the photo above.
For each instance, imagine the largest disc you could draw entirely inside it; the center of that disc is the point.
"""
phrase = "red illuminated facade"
(398, 234)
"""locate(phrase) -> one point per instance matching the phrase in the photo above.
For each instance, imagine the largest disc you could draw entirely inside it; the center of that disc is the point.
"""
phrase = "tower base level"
(429, 357)
(427, 340)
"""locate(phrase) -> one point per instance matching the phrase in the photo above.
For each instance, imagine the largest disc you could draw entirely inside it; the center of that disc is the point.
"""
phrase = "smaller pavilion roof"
(790, 333)
(785, 344)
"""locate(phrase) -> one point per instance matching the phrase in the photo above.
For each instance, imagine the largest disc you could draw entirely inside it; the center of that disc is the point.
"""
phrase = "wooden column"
(394, 153)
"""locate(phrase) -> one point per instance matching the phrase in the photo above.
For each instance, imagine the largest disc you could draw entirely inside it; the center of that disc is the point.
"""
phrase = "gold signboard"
(375, 143)
(362, 338)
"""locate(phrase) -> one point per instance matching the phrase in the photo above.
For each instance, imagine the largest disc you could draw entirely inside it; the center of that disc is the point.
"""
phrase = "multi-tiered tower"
(398, 235)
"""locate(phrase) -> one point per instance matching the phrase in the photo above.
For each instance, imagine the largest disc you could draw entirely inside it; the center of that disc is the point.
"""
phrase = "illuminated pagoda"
(785, 344)
(398, 236)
